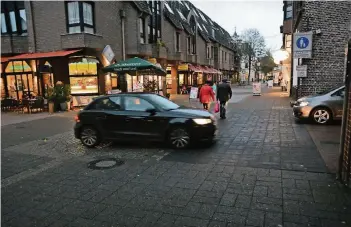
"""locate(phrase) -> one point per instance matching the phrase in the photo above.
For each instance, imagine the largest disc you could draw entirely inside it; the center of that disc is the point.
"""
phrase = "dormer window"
(213, 33)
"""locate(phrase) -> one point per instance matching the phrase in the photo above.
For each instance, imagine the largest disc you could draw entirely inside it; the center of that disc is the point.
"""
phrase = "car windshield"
(328, 90)
(162, 102)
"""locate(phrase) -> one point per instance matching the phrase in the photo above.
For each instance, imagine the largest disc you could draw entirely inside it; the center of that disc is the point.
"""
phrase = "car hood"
(306, 98)
(192, 112)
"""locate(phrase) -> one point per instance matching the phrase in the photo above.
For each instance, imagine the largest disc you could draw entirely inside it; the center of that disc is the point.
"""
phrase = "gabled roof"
(207, 28)
(142, 6)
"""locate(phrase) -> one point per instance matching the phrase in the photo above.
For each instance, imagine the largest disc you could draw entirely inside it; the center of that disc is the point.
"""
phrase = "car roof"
(126, 94)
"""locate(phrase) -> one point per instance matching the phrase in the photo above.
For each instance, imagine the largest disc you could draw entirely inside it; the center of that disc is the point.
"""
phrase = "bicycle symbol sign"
(302, 42)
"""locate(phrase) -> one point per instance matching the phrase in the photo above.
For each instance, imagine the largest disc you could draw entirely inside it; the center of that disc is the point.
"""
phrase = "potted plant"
(61, 97)
(51, 99)
(67, 95)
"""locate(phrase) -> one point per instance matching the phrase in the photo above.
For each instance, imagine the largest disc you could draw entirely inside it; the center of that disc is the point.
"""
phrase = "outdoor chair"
(6, 104)
(37, 105)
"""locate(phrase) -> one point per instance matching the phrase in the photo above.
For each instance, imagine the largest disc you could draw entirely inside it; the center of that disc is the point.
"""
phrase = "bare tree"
(253, 46)
(254, 43)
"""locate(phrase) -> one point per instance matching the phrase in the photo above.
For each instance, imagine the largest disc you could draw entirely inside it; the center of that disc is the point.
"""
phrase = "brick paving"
(264, 171)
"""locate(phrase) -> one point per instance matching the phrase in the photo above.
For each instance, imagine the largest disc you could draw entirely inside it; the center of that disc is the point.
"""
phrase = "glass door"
(20, 86)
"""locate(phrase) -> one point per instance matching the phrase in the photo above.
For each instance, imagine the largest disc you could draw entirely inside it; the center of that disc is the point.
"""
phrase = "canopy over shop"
(192, 75)
(139, 73)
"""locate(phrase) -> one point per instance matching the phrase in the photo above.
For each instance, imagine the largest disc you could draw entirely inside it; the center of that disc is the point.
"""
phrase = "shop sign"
(193, 92)
(301, 70)
(183, 67)
(256, 88)
(108, 53)
(303, 45)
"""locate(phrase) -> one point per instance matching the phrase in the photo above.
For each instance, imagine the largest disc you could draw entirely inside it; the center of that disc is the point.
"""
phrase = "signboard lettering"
(183, 67)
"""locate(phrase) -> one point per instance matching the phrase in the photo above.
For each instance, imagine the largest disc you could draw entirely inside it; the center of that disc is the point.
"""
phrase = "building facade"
(286, 30)
(329, 22)
(42, 43)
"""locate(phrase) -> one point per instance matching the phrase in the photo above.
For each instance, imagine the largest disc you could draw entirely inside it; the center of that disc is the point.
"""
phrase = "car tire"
(321, 116)
(178, 138)
(90, 137)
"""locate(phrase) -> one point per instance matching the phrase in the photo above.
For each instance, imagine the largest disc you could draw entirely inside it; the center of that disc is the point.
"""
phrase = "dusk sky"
(266, 16)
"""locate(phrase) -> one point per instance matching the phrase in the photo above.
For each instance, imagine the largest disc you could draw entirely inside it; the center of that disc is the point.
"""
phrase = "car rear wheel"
(321, 116)
(89, 137)
(179, 138)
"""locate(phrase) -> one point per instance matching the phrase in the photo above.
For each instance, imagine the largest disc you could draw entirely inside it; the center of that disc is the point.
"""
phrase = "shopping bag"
(216, 109)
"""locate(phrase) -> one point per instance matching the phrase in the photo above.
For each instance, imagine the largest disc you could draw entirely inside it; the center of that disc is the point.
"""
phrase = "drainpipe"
(344, 119)
(33, 27)
(122, 77)
(122, 15)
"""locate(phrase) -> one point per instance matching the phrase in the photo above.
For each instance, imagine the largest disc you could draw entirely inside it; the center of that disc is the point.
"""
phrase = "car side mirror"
(151, 110)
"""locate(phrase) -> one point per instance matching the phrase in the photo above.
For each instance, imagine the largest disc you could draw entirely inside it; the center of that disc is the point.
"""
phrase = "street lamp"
(280, 55)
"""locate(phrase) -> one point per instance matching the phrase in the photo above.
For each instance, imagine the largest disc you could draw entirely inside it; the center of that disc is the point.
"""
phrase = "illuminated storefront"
(20, 80)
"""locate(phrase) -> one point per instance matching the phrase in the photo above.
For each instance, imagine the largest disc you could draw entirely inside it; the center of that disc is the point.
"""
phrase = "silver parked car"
(322, 107)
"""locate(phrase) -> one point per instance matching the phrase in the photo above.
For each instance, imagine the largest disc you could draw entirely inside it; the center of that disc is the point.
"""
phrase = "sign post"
(302, 45)
(301, 70)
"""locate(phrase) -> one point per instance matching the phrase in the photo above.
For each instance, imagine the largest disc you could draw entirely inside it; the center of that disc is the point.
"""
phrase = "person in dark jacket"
(224, 93)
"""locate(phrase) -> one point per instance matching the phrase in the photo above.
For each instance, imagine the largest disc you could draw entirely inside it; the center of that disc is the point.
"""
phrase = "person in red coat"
(206, 95)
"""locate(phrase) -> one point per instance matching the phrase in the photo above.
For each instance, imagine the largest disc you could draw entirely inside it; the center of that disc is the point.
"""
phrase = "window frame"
(142, 30)
(154, 22)
(188, 40)
(14, 7)
(81, 22)
(177, 41)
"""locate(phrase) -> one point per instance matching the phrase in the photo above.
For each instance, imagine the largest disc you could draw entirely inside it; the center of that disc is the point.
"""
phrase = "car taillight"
(76, 118)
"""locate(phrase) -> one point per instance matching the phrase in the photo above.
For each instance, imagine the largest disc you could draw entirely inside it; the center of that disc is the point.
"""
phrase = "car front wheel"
(179, 138)
(89, 137)
(321, 116)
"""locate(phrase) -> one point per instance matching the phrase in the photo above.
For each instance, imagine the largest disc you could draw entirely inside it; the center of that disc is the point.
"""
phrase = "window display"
(84, 85)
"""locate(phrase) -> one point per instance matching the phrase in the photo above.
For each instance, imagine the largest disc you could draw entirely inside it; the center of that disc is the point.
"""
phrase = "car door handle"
(135, 118)
(101, 117)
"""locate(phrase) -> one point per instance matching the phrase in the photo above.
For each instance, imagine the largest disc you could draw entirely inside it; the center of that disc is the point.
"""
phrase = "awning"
(4, 59)
(60, 53)
(196, 69)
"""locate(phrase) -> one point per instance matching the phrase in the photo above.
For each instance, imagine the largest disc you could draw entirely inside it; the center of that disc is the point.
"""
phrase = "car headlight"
(304, 103)
(202, 121)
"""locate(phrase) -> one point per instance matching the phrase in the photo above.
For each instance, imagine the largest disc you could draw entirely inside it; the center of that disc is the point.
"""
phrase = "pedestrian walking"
(224, 93)
(283, 84)
(206, 95)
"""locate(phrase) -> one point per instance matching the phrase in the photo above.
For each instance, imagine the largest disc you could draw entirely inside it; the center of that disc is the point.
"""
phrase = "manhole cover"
(105, 163)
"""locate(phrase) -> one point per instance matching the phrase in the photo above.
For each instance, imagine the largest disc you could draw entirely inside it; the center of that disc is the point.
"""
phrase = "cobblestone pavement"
(264, 171)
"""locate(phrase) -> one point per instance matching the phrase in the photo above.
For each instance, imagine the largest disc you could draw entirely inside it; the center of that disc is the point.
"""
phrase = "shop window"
(18, 66)
(142, 30)
(177, 41)
(84, 85)
(136, 104)
(169, 81)
(13, 17)
(83, 68)
(83, 76)
(80, 17)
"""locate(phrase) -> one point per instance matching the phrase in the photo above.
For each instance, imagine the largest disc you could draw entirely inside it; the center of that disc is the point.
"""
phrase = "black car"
(142, 116)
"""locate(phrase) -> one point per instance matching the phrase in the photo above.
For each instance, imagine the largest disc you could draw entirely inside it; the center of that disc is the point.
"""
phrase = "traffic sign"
(303, 45)
(301, 70)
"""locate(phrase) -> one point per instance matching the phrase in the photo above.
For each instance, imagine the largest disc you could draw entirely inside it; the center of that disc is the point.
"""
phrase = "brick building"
(46, 42)
(329, 21)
